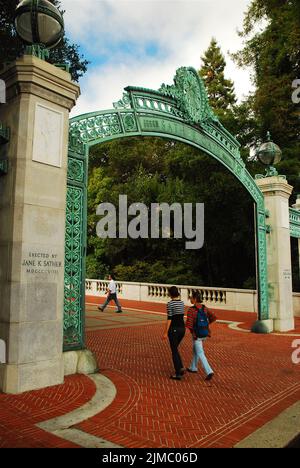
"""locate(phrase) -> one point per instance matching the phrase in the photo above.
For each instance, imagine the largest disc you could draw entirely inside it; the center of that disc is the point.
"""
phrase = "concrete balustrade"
(219, 298)
(242, 300)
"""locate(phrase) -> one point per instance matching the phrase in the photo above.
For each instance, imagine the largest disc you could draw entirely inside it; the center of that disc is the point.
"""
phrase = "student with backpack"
(198, 321)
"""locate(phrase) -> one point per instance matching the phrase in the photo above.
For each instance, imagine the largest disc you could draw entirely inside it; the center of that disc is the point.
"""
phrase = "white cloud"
(120, 30)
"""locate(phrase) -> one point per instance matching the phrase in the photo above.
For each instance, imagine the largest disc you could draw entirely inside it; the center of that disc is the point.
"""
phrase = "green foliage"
(250, 283)
(152, 170)
(271, 33)
(11, 46)
(157, 272)
(220, 90)
(95, 269)
(272, 48)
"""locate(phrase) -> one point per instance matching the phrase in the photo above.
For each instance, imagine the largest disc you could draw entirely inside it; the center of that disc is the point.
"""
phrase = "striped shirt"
(175, 309)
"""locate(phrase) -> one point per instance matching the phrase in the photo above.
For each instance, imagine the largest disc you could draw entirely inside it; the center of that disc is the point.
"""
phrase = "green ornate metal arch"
(295, 223)
(180, 112)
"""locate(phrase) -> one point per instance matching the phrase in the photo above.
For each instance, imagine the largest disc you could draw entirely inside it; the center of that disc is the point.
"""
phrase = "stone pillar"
(32, 223)
(277, 192)
(297, 207)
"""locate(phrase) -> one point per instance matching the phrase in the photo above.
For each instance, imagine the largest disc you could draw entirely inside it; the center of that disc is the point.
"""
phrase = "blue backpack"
(201, 327)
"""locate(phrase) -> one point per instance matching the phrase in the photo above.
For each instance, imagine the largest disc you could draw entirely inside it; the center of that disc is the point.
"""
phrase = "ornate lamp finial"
(269, 154)
(40, 25)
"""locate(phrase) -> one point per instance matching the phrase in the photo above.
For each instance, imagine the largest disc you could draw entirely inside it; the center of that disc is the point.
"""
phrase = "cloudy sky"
(143, 42)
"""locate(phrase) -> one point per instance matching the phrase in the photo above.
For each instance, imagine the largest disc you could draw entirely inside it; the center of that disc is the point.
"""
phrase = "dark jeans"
(176, 335)
(112, 297)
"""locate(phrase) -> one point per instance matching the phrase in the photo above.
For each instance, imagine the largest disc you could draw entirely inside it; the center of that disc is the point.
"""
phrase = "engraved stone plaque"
(48, 136)
(285, 219)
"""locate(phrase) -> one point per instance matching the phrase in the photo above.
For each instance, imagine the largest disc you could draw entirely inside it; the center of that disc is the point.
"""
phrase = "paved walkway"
(255, 381)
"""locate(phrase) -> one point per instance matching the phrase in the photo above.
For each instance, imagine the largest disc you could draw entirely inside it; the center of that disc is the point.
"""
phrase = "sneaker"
(209, 377)
(119, 311)
(100, 308)
(176, 377)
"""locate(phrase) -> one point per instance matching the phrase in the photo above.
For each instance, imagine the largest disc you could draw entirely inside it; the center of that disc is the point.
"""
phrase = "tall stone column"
(297, 207)
(32, 223)
(277, 192)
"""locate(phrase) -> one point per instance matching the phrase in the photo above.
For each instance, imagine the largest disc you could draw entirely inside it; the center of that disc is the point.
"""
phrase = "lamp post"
(40, 25)
(269, 154)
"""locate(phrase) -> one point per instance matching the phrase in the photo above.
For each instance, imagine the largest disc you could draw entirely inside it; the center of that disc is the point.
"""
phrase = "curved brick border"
(20, 413)
(255, 381)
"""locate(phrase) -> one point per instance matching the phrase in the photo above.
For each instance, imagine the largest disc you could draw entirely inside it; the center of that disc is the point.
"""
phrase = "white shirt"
(112, 287)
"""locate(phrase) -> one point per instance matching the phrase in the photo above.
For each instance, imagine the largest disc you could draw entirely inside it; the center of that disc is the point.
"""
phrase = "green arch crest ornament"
(180, 112)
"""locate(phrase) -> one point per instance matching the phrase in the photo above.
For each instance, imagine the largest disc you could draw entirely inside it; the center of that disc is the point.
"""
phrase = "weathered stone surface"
(70, 362)
(80, 362)
(277, 192)
(87, 363)
(32, 223)
(25, 377)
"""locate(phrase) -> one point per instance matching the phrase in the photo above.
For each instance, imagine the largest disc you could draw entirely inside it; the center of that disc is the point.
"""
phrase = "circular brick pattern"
(20, 413)
(255, 381)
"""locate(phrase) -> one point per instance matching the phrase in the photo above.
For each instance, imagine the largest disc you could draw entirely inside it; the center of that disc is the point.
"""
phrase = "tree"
(220, 90)
(11, 46)
(154, 170)
(271, 32)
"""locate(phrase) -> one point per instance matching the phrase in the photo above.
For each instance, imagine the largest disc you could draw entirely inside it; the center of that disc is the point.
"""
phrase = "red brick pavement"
(255, 381)
(247, 325)
(246, 319)
(20, 413)
(157, 307)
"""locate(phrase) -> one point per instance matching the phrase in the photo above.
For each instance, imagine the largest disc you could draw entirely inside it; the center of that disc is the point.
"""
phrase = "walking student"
(198, 321)
(175, 330)
(111, 296)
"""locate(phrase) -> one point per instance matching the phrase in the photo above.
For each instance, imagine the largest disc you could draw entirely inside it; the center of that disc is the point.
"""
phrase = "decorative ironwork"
(95, 127)
(295, 223)
(4, 138)
(129, 122)
(76, 170)
(4, 134)
(3, 166)
(180, 112)
(37, 50)
(190, 93)
(63, 66)
(262, 269)
(124, 103)
(74, 296)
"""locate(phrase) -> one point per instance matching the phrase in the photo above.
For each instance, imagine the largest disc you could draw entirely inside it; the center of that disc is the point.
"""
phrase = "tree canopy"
(271, 33)
(153, 170)
(220, 90)
(11, 46)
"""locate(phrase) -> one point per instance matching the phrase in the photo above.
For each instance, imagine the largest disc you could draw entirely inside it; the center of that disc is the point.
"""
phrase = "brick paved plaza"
(255, 381)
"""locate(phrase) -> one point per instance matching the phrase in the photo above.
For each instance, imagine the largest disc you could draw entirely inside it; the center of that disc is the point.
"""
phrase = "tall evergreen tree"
(11, 46)
(220, 90)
